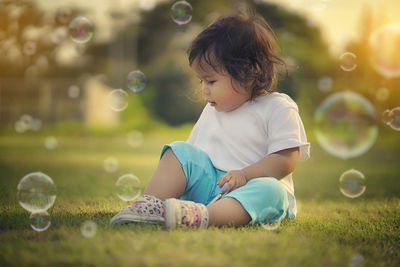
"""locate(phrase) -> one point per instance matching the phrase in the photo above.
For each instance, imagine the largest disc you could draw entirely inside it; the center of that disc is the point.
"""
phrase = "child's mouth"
(212, 103)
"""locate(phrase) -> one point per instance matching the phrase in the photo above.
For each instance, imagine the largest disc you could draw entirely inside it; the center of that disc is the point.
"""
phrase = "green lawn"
(330, 229)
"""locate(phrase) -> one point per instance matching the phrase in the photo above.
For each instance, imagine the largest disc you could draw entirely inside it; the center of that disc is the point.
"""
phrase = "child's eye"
(211, 82)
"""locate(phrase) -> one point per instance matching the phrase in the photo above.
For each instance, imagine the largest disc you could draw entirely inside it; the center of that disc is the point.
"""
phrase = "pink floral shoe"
(147, 208)
(183, 213)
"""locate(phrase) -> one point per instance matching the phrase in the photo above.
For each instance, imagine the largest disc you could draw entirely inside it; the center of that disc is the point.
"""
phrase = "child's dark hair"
(245, 46)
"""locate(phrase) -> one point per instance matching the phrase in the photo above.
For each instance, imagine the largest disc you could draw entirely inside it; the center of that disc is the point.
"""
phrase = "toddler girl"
(236, 167)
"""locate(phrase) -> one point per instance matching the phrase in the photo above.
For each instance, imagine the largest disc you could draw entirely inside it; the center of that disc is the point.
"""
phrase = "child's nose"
(205, 89)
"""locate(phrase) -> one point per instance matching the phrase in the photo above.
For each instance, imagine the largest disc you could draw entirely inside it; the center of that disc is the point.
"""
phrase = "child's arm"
(278, 165)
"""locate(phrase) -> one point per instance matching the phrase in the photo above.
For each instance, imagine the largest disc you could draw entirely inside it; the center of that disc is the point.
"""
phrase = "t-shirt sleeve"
(286, 130)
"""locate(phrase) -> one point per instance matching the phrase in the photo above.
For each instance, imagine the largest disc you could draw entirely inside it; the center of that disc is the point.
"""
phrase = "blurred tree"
(302, 46)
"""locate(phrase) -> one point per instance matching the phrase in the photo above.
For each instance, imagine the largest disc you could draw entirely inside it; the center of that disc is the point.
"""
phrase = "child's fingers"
(222, 180)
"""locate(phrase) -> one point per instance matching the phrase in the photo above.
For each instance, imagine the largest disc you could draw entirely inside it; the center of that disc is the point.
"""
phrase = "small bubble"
(135, 138)
(74, 91)
(50, 142)
(395, 119)
(88, 229)
(118, 100)
(110, 164)
(271, 218)
(325, 84)
(40, 221)
(352, 183)
(382, 94)
(81, 30)
(181, 12)
(136, 81)
(128, 187)
(348, 61)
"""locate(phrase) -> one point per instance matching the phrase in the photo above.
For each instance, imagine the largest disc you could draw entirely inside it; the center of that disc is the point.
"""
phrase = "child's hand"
(235, 179)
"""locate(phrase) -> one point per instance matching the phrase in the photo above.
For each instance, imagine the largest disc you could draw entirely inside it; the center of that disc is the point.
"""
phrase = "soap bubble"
(352, 183)
(81, 30)
(88, 229)
(394, 118)
(135, 138)
(271, 218)
(36, 192)
(110, 164)
(128, 187)
(386, 117)
(181, 12)
(50, 142)
(382, 94)
(325, 83)
(118, 99)
(384, 45)
(74, 91)
(345, 125)
(40, 221)
(356, 261)
(136, 81)
(348, 61)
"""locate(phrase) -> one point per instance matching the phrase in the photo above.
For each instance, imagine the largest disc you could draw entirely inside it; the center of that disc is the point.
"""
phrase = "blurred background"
(119, 67)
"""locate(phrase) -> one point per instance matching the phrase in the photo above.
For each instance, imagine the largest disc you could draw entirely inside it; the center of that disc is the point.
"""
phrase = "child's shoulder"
(275, 100)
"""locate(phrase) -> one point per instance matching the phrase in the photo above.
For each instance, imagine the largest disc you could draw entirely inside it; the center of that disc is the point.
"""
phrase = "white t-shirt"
(233, 140)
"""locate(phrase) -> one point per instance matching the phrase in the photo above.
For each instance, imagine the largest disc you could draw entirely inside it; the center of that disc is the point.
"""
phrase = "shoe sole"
(170, 213)
(127, 218)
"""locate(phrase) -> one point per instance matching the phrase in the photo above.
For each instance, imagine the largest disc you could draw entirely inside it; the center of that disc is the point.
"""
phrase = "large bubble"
(136, 81)
(345, 125)
(352, 183)
(36, 192)
(181, 12)
(40, 221)
(384, 44)
(128, 187)
(81, 30)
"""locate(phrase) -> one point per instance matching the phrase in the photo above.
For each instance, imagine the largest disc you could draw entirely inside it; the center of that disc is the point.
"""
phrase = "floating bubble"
(88, 229)
(36, 192)
(384, 45)
(382, 94)
(40, 221)
(110, 164)
(356, 261)
(135, 138)
(386, 117)
(325, 84)
(348, 61)
(36, 124)
(19, 126)
(352, 183)
(50, 142)
(118, 99)
(81, 30)
(395, 119)
(74, 91)
(271, 218)
(128, 187)
(29, 48)
(136, 81)
(345, 125)
(59, 35)
(181, 12)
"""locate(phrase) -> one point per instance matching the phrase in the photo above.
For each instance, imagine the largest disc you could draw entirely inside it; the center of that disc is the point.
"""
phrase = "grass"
(330, 229)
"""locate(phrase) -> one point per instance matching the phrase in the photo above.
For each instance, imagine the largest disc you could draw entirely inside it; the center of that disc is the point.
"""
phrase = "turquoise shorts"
(264, 198)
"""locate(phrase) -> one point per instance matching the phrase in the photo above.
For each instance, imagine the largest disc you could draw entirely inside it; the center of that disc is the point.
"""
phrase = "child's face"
(220, 90)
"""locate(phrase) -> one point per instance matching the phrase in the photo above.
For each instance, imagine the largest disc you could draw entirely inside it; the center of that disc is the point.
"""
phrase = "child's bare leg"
(168, 179)
(227, 211)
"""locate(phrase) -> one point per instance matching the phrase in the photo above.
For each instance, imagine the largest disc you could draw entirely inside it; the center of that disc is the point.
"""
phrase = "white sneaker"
(147, 209)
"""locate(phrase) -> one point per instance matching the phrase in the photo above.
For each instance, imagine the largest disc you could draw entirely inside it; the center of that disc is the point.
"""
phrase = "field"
(330, 230)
